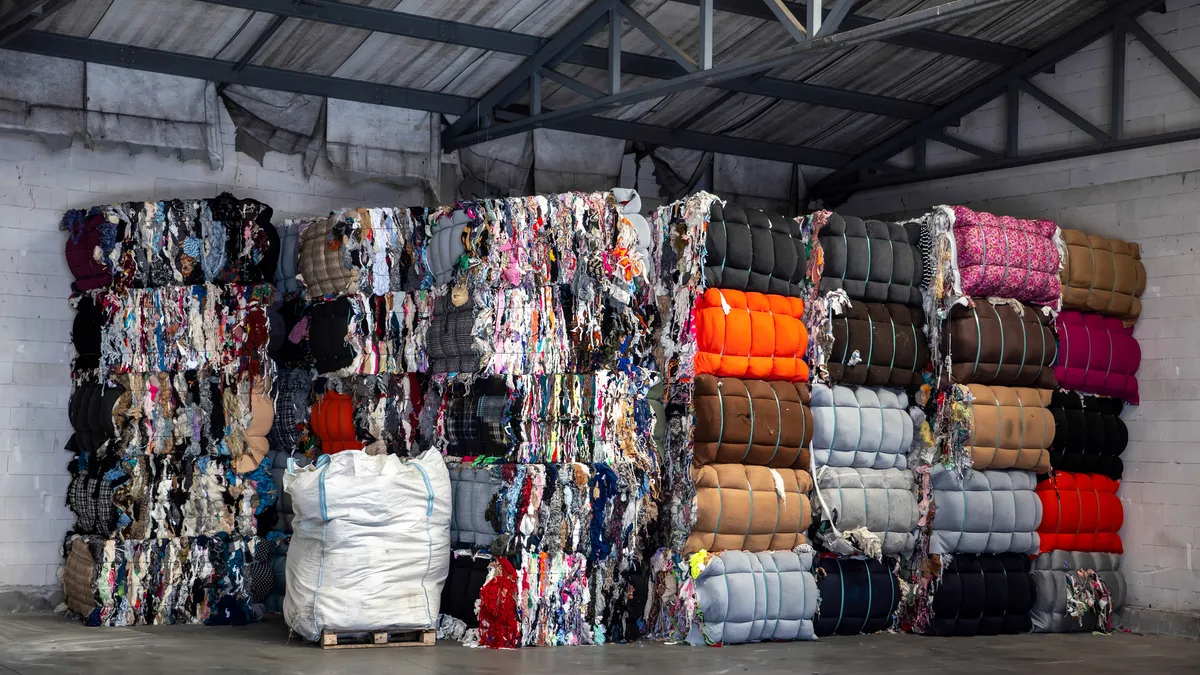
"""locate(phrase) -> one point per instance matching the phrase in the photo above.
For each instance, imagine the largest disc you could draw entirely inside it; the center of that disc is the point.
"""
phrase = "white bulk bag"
(370, 544)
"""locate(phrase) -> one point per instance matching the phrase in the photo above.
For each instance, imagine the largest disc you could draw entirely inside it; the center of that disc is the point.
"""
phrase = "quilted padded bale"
(750, 250)
(753, 597)
(1010, 428)
(1006, 257)
(84, 256)
(472, 492)
(989, 594)
(1050, 572)
(1102, 275)
(872, 260)
(332, 421)
(327, 334)
(445, 247)
(478, 419)
(1099, 355)
(1081, 512)
(879, 345)
(91, 491)
(996, 344)
(858, 595)
(262, 416)
(985, 512)
(85, 334)
(323, 260)
(288, 267)
(1089, 434)
(881, 500)
(79, 576)
(752, 422)
(860, 427)
(90, 411)
(738, 508)
(751, 335)
(468, 571)
(450, 340)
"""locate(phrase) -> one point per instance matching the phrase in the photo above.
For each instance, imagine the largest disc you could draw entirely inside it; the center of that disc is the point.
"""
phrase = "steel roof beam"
(520, 44)
(25, 15)
(924, 40)
(1083, 35)
(226, 72)
(454, 137)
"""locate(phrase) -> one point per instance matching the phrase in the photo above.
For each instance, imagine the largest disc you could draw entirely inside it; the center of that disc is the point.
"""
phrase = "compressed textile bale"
(333, 422)
(1081, 512)
(288, 267)
(879, 345)
(472, 491)
(79, 576)
(997, 344)
(1006, 257)
(985, 511)
(468, 571)
(90, 411)
(989, 594)
(90, 494)
(1050, 572)
(629, 204)
(1089, 434)
(872, 260)
(262, 416)
(83, 240)
(655, 398)
(478, 419)
(860, 427)
(750, 250)
(752, 422)
(445, 246)
(323, 261)
(1010, 428)
(327, 332)
(86, 330)
(451, 338)
(751, 335)
(1102, 275)
(858, 595)
(1099, 355)
(881, 500)
(751, 597)
(739, 508)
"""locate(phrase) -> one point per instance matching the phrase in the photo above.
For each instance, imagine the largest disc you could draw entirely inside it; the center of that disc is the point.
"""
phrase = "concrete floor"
(36, 644)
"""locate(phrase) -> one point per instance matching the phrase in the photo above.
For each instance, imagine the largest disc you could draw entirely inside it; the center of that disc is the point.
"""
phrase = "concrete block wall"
(1152, 197)
(36, 186)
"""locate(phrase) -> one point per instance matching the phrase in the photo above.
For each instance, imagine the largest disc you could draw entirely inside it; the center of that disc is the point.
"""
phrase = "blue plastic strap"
(750, 402)
(779, 428)
(842, 602)
(1024, 343)
(1000, 363)
(870, 596)
(978, 341)
(721, 409)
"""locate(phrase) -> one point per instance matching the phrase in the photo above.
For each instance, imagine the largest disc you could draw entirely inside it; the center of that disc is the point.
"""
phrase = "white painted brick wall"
(36, 186)
(1148, 196)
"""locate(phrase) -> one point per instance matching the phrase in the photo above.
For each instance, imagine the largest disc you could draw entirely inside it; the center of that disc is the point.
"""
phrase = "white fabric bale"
(370, 546)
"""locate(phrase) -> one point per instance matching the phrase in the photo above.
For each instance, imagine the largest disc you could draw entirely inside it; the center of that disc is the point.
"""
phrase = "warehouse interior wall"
(1149, 196)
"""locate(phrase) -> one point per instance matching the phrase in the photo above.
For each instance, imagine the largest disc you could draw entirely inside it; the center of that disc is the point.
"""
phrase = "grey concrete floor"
(37, 644)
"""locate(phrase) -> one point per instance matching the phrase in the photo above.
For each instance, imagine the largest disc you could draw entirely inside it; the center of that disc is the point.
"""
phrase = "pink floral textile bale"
(1006, 257)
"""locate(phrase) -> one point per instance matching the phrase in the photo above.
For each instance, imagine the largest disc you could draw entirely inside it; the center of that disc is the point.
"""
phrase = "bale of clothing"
(1031, 331)
(171, 406)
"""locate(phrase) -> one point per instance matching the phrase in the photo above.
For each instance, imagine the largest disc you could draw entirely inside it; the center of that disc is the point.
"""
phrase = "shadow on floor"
(38, 644)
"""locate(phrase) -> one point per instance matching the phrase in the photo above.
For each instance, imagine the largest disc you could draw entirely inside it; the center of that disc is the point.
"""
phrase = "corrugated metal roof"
(211, 30)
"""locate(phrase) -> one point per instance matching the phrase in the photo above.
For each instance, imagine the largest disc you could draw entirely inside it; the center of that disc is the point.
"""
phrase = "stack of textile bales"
(868, 349)
(737, 566)
(170, 478)
(1078, 577)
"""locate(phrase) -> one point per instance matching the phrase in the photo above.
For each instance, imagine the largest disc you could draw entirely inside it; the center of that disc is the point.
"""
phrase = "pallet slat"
(377, 638)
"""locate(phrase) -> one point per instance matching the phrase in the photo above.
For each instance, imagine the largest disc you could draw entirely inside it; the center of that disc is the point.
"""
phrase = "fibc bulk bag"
(370, 543)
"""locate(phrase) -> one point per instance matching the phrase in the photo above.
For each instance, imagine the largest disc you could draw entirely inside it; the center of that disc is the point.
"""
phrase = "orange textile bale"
(750, 335)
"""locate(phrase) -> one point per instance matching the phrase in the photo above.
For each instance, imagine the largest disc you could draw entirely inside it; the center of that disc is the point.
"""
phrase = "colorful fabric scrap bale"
(858, 595)
(1080, 512)
(872, 261)
(376, 413)
(1099, 356)
(988, 594)
(1076, 591)
(1102, 275)
(364, 251)
(1089, 434)
(369, 334)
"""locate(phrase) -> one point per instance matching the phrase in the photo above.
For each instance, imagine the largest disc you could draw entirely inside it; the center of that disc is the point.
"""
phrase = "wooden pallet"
(377, 638)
